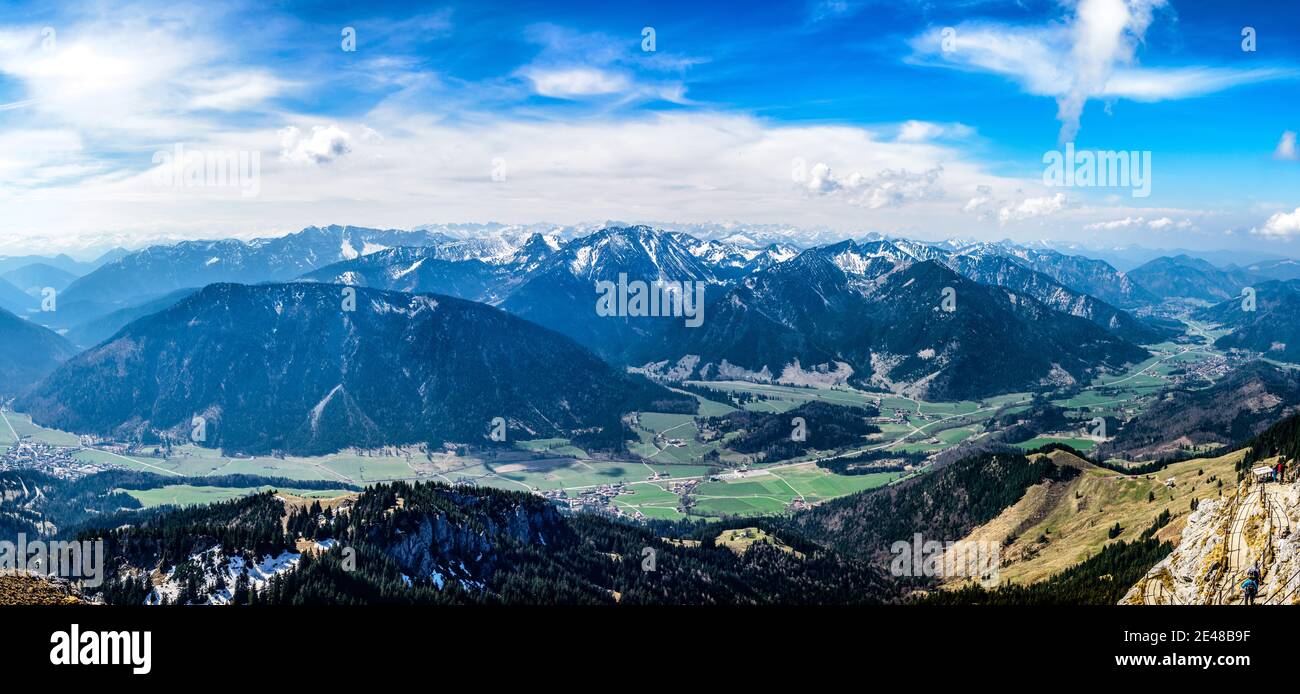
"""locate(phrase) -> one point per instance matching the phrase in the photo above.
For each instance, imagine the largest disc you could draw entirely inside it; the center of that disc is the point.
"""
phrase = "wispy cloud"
(577, 65)
(1090, 54)
(1286, 147)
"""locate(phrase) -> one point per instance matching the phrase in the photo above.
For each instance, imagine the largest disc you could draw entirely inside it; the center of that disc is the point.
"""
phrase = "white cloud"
(1112, 225)
(1286, 148)
(888, 188)
(1030, 208)
(237, 91)
(1104, 33)
(1163, 223)
(576, 82)
(1090, 54)
(687, 167)
(1160, 84)
(1282, 225)
(924, 131)
(326, 143)
(577, 65)
(132, 77)
(1130, 222)
(981, 203)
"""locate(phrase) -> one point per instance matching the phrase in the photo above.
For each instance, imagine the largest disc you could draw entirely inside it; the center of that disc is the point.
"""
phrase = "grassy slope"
(1075, 518)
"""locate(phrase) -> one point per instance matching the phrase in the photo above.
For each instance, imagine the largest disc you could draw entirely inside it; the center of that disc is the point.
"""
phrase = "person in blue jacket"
(1249, 588)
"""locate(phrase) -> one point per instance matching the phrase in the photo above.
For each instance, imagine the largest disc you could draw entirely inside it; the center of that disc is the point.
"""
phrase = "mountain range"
(1239, 406)
(865, 312)
(314, 377)
(1271, 329)
(28, 352)
(783, 302)
(1186, 277)
(155, 271)
(853, 313)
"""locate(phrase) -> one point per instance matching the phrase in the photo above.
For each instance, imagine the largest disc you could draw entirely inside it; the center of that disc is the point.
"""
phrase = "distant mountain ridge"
(285, 367)
(851, 313)
(158, 270)
(28, 353)
(1243, 404)
(1271, 329)
(1183, 276)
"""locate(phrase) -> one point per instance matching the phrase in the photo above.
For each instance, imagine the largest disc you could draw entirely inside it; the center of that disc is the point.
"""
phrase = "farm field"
(7, 434)
(193, 461)
(571, 474)
(552, 447)
(188, 495)
(773, 491)
(681, 427)
(22, 425)
(1083, 445)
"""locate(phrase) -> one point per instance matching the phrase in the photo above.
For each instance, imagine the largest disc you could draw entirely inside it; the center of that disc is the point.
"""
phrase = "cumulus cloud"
(987, 205)
(1286, 148)
(325, 144)
(982, 200)
(1030, 208)
(1282, 225)
(888, 188)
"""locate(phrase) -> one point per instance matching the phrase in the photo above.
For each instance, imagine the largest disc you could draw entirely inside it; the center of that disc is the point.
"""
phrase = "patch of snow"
(347, 251)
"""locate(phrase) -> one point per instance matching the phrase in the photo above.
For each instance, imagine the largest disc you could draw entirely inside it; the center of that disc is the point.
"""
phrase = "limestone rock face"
(1222, 540)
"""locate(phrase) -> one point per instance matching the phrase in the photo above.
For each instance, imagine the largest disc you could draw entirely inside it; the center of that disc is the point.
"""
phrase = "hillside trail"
(1239, 557)
(1265, 500)
(1222, 542)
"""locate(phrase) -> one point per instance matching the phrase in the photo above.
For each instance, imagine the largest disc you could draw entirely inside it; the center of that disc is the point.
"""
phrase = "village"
(52, 460)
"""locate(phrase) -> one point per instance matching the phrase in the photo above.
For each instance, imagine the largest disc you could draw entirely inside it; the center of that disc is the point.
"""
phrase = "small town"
(57, 461)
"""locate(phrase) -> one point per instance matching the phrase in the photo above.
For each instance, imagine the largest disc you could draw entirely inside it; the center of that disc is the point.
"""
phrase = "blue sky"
(922, 119)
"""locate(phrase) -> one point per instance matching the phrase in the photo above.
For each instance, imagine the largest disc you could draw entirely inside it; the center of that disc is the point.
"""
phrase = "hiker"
(1249, 588)
(1253, 572)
